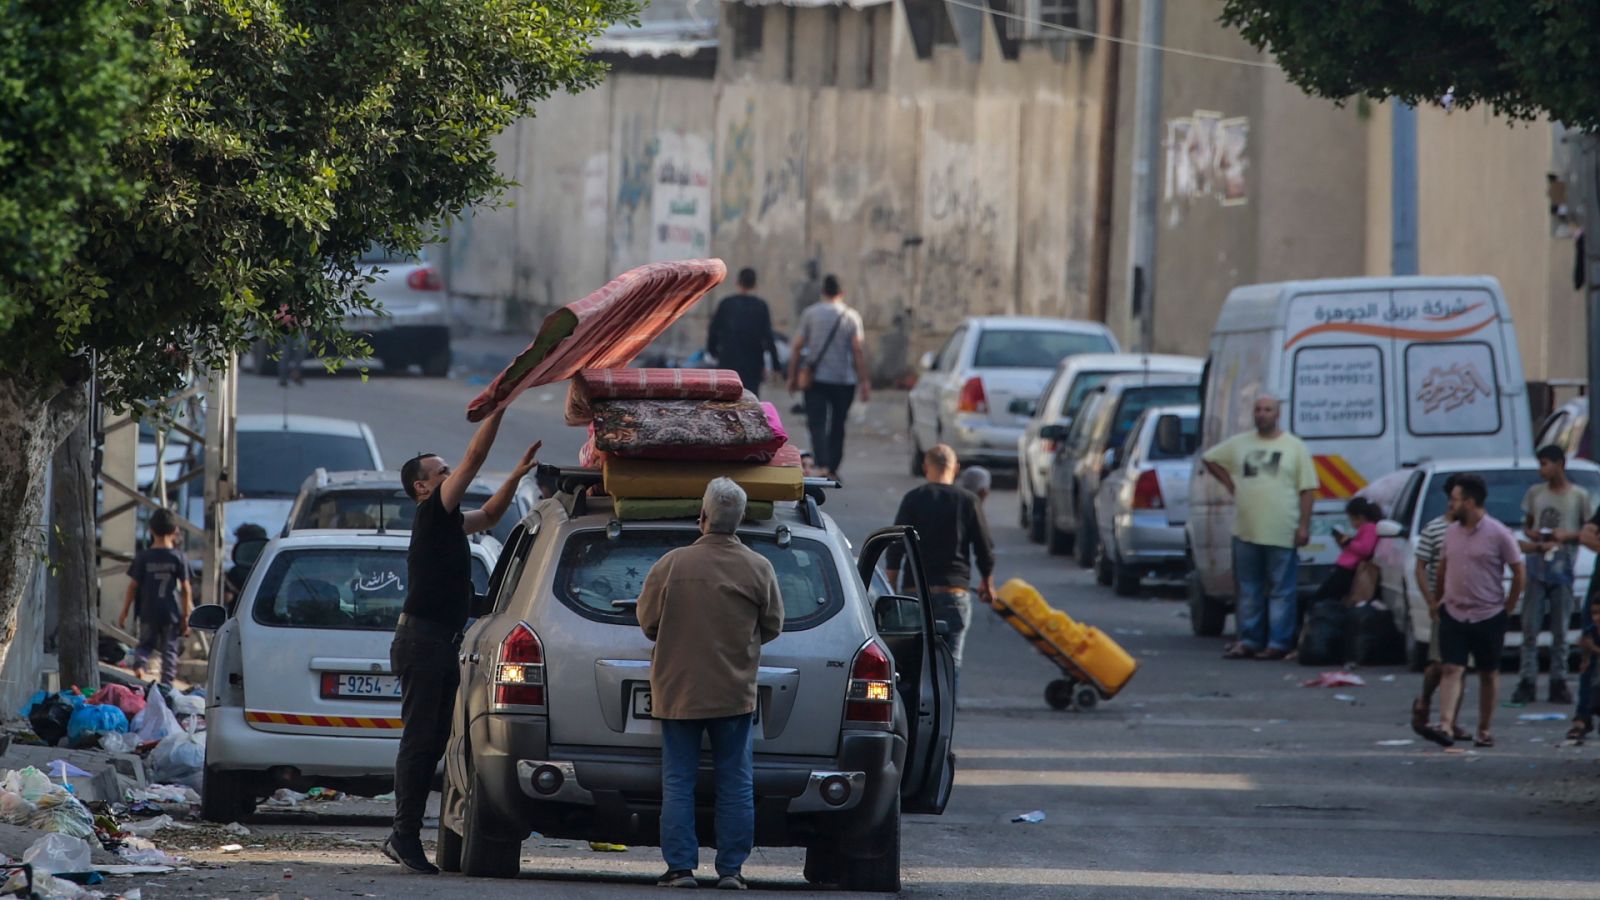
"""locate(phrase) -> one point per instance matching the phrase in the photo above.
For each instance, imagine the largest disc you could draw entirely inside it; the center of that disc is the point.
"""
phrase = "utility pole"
(1589, 184)
(1403, 190)
(1146, 147)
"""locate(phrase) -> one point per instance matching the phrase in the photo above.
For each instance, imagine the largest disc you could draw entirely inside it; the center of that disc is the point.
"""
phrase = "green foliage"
(1524, 58)
(278, 139)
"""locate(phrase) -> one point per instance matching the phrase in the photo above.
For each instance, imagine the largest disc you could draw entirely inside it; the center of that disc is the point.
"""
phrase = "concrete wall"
(934, 188)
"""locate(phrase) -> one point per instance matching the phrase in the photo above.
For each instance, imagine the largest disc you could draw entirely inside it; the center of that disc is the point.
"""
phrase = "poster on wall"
(1338, 392)
(680, 216)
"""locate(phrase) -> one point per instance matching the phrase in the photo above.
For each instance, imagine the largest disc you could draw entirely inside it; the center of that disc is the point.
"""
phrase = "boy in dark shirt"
(1589, 661)
(158, 589)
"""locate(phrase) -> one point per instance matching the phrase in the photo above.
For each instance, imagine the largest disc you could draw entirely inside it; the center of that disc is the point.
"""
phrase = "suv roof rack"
(578, 483)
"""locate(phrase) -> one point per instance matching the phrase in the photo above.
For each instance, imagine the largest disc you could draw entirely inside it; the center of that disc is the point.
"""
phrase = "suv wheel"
(1060, 542)
(483, 856)
(437, 363)
(448, 856)
(876, 873)
(228, 797)
(1087, 539)
(1038, 522)
(1207, 615)
(1102, 566)
(1124, 580)
(822, 864)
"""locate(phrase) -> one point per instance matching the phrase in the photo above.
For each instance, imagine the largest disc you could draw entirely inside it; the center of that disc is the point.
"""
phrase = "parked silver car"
(1142, 505)
(963, 397)
(1057, 405)
(376, 500)
(554, 733)
(1085, 451)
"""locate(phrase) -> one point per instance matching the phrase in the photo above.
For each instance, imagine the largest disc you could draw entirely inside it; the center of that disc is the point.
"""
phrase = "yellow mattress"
(642, 478)
(637, 508)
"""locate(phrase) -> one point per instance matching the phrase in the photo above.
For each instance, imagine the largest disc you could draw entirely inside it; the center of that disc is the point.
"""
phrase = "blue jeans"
(954, 609)
(1268, 607)
(1586, 680)
(731, 755)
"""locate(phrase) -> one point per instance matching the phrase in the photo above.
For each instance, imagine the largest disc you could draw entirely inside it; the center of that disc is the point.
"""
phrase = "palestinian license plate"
(643, 710)
(364, 687)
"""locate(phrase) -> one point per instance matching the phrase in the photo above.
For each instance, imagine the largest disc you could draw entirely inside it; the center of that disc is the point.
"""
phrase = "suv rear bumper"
(614, 794)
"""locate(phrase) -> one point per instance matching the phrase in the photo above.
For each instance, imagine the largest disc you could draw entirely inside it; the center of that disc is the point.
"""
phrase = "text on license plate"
(374, 687)
(643, 710)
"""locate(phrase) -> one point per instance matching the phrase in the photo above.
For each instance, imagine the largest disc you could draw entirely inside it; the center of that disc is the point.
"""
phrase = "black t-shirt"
(951, 530)
(439, 566)
(158, 571)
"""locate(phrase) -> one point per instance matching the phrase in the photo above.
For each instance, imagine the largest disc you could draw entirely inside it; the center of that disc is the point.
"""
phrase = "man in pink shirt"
(1474, 606)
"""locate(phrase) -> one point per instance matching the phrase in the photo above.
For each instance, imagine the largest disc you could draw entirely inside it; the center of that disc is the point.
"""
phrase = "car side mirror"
(246, 552)
(1054, 432)
(1169, 436)
(1389, 528)
(1108, 461)
(208, 618)
(897, 614)
(927, 361)
(1022, 406)
(941, 628)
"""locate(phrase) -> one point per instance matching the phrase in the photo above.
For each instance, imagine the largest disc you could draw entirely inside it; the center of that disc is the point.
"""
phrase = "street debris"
(1542, 717)
(1335, 679)
(602, 847)
(231, 848)
(1397, 742)
(1345, 698)
(59, 854)
(1308, 807)
(1030, 818)
(236, 828)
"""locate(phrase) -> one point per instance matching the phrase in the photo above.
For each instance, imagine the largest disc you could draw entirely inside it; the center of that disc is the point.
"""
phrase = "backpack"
(1322, 636)
(1370, 636)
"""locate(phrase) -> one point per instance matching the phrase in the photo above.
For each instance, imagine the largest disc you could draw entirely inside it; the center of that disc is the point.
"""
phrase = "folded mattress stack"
(659, 436)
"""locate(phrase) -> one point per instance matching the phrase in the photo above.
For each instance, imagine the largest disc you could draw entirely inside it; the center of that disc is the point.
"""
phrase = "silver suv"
(553, 731)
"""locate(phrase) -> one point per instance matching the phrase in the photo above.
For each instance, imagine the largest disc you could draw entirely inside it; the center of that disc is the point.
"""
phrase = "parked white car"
(1141, 507)
(1057, 404)
(276, 453)
(963, 397)
(1422, 499)
(300, 692)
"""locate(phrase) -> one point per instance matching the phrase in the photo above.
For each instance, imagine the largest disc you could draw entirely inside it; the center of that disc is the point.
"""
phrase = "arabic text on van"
(1433, 309)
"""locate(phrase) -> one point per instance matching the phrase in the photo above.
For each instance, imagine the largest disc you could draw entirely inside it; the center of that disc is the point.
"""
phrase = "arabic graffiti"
(1449, 389)
(1433, 310)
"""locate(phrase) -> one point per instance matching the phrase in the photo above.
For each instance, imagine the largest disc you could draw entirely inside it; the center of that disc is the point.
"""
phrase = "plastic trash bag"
(180, 758)
(119, 742)
(29, 783)
(59, 853)
(130, 701)
(91, 720)
(62, 813)
(188, 705)
(50, 716)
(1322, 636)
(157, 720)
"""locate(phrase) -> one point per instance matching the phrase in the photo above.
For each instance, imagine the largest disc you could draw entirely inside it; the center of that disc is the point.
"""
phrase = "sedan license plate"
(360, 687)
(643, 710)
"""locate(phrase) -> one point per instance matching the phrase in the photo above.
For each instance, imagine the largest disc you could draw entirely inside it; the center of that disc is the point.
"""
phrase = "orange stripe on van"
(1386, 331)
(1336, 478)
(377, 723)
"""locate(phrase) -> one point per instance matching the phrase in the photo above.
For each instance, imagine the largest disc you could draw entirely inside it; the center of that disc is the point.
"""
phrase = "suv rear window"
(353, 589)
(595, 570)
(364, 509)
(1032, 348)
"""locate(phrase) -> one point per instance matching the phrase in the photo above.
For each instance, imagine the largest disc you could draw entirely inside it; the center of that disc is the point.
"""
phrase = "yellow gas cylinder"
(1104, 658)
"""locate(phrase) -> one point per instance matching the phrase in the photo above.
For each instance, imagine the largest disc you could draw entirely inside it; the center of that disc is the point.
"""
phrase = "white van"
(1375, 374)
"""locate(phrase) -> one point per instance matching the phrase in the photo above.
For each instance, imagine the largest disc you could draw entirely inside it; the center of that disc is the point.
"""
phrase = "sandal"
(1238, 651)
(1579, 731)
(1484, 739)
(1437, 735)
(1273, 654)
(1419, 718)
(1461, 734)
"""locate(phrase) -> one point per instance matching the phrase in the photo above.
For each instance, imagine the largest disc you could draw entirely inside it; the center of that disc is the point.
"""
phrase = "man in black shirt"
(952, 532)
(741, 332)
(438, 600)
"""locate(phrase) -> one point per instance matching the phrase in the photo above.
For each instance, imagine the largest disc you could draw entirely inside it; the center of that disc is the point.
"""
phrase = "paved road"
(1205, 778)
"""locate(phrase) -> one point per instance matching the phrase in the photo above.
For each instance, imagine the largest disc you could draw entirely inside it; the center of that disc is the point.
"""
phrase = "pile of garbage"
(164, 726)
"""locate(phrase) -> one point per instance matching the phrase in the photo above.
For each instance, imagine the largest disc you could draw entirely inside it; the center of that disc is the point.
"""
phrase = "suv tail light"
(519, 670)
(870, 698)
(425, 278)
(1147, 491)
(973, 399)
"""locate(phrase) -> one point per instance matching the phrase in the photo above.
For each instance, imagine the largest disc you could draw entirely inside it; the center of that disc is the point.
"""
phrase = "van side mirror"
(1056, 432)
(1022, 406)
(208, 618)
(927, 361)
(1389, 528)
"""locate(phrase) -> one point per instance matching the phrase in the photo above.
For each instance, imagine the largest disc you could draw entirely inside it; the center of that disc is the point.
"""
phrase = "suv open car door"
(924, 674)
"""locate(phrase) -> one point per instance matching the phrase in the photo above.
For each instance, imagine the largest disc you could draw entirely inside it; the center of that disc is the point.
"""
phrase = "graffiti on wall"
(636, 163)
(1207, 158)
(738, 174)
(960, 256)
(680, 215)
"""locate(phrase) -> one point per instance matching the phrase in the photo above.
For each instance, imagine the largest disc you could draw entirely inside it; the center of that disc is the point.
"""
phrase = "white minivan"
(1375, 374)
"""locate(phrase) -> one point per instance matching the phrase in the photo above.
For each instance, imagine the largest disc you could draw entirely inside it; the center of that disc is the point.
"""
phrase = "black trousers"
(749, 375)
(827, 408)
(429, 674)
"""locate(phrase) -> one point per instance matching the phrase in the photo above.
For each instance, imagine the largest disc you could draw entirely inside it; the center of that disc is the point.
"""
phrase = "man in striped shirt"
(1430, 549)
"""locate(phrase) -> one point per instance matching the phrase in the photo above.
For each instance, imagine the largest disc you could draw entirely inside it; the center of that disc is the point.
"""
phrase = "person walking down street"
(828, 362)
(438, 603)
(741, 334)
(1430, 549)
(1554, 514)
(161, 597)
(1270, 475)
(953, 534)
(709, 607)
(977, 480)
(1474, 606)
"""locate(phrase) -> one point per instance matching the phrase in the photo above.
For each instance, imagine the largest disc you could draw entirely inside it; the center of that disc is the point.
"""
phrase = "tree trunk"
(71, 513)
(35, 414)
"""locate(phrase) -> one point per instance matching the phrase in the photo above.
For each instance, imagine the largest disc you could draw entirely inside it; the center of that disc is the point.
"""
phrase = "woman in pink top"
(1356, 549)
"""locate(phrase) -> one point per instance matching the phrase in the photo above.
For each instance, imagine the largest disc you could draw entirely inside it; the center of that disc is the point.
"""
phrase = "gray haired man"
(709, 607)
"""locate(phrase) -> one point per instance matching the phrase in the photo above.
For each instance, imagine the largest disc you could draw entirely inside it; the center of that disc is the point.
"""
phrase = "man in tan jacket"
(709, 607)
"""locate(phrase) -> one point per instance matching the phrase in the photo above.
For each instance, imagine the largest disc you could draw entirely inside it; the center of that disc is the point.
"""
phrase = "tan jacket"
(709, 607)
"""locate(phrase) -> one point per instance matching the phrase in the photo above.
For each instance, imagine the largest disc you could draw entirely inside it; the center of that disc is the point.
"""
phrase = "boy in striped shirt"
(1430, 549)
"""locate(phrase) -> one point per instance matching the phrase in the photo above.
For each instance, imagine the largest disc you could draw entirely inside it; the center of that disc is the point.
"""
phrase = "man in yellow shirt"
(1270, 475)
